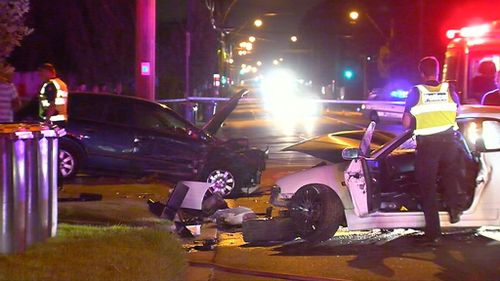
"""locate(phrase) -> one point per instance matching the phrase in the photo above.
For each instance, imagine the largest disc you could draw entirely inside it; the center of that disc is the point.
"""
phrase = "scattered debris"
(233, 217)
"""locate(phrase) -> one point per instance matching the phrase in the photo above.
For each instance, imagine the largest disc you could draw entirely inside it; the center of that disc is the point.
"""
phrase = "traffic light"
(348, 74)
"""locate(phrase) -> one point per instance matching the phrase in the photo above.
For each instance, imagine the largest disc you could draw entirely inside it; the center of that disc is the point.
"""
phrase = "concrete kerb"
(257, 273)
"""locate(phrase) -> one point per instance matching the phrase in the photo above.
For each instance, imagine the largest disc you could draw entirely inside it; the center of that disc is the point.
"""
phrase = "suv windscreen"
(152, 117)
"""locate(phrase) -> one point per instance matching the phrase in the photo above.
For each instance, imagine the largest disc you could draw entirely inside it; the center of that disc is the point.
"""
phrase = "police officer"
(53, 101)
(431, 110)
(53, 97)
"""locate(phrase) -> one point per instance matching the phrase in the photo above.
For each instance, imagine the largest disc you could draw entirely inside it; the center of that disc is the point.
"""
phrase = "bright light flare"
(475, 31)
(288, 106)
(251, 39)
(258, 23)
(354, 15)
(294, 38)
(249, 46)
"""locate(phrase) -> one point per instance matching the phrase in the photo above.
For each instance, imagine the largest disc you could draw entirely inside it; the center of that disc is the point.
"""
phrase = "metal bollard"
(28, 194)
(53, 156)
(14, 145)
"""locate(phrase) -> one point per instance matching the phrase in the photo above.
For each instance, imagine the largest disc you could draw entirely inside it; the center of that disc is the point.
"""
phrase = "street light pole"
(145, 44)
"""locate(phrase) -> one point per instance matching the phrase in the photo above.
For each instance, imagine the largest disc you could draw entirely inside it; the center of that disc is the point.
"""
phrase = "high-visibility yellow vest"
(436, 110)
(61, 101)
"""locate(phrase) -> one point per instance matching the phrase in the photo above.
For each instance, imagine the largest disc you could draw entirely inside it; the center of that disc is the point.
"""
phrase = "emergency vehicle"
(468, 48)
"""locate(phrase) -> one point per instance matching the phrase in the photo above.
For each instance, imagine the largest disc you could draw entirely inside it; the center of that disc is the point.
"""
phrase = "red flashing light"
(475, 31)
(450, 34)
(469, 31)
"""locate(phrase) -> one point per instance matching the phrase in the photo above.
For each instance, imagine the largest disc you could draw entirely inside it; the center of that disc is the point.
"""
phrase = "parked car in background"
(376, 187)
(126, 135)
(385, 106)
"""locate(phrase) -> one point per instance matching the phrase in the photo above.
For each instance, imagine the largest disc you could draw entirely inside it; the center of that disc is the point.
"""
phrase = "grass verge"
(99, 253)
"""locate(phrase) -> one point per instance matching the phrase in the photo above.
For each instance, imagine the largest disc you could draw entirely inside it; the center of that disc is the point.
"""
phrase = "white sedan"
(377, 189)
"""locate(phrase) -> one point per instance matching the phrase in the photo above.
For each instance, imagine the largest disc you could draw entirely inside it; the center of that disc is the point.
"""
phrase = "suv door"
(167, 144)
(101, 122)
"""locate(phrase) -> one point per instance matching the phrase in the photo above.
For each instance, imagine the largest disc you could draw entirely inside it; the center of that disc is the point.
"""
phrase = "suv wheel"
(223, 181)
(69, 161)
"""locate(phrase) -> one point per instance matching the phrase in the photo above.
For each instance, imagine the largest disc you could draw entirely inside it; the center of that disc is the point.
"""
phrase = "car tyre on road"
(317, 212)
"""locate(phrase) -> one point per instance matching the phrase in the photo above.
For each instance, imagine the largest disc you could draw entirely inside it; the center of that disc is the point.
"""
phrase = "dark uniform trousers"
(437, 155)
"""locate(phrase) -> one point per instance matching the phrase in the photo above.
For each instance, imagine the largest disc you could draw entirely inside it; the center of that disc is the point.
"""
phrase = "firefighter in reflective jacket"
(431, 110)
(53, 95)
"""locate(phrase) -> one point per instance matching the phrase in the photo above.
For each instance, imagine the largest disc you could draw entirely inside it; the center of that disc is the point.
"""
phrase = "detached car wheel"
(69, 161)
(223, 182)
(317, 212)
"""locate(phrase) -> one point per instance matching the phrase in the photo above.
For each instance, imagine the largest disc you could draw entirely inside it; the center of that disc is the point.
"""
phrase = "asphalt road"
(250, 120)
(466, 254)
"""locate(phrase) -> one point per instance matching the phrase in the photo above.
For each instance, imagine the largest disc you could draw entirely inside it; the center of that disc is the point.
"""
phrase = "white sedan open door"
(357, 177)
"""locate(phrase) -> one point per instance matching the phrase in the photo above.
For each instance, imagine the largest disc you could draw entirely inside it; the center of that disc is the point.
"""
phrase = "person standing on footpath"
(9, 99)
(431, 110)
(53, 96)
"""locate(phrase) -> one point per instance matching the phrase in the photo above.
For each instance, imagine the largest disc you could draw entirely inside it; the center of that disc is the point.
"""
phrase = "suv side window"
(152, 117)
(119, 111)
(86, 107)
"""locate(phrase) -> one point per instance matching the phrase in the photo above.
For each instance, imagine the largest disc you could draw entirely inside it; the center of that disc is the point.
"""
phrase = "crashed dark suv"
(125, 135)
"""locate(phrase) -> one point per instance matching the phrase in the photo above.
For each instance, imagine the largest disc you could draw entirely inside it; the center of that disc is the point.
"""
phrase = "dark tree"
(89, 40)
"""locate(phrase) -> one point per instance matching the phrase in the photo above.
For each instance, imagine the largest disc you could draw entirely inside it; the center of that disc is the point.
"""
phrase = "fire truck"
(468, 49)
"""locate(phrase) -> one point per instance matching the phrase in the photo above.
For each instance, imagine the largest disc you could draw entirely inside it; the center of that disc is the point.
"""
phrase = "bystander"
(9, 99)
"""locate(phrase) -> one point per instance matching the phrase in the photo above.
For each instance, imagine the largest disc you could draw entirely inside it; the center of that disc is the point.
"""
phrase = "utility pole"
(145, 45)
(189, 28)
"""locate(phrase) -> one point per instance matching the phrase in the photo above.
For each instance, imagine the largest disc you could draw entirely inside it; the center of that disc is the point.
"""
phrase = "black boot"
(455, 215)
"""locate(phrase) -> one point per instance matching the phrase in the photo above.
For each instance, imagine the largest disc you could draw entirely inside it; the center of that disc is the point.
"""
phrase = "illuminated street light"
(251, 39)
(258, 23)
(294, 39)
(281, 59)
(354, 15)
(276, 62)
(230, 61)
(254, 69)
(249, 46)
(259, 63)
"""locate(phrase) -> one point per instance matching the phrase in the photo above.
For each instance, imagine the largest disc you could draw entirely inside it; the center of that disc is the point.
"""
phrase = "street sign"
(145, 69)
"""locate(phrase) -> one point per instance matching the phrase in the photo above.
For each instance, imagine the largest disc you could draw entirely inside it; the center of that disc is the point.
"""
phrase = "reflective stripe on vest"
(435, 111)
(60, 100)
